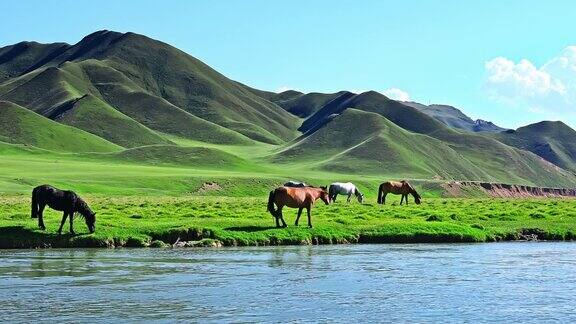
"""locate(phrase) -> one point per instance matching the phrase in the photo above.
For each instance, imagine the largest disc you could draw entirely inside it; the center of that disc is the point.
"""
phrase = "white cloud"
(549, 89)
(396, 94)
(285, 88)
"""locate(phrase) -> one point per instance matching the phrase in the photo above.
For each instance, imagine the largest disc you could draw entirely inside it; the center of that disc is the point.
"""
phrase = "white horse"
(293, 183)
(348, 188)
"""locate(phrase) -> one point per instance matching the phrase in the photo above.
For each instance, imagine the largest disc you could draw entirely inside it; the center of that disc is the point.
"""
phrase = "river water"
(520, 282)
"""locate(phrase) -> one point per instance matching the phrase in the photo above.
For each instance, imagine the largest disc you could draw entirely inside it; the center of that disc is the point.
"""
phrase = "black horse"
(63, 200)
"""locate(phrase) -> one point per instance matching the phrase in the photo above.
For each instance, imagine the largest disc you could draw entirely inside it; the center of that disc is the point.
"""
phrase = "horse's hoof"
(42, 228)
(72, 233)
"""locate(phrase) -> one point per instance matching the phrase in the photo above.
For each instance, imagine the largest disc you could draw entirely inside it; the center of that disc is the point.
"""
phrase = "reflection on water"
(457, 282)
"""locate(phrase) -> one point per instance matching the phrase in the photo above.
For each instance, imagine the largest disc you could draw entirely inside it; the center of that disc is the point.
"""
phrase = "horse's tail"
(271, 203)
(35, 203)
(380, 193)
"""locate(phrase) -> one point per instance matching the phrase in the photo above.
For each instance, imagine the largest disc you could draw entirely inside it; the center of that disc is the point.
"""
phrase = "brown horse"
(398, 188)
(301, 197)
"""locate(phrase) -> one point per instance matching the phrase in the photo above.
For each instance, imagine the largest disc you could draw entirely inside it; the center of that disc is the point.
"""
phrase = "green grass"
(137, 92)
(20, 125)
(95, 116)
(382, 147)
(145, 221)
(553, 141)
(166, 147)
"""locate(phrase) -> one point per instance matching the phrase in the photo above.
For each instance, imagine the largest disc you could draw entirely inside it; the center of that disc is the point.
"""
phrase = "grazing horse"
(62, 200)
(398, 188)
(348, 189)
(295, 198)
(296, 184)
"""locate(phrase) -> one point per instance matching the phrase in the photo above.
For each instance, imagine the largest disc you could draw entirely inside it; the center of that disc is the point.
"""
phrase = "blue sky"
(510, 61)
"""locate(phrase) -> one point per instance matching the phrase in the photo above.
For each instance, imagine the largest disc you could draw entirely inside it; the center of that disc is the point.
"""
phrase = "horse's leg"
(71, 224)
(309, 217)
(406, 198)
(401, 199)
(276, 218)
(41, 216)
(63, 221)
(384, 199)
(334, 199)
(282, 218)
(349, 196)
(298, 217)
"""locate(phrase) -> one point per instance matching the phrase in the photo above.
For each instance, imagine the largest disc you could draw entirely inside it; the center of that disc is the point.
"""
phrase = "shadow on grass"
(13, 237)
(249, 228)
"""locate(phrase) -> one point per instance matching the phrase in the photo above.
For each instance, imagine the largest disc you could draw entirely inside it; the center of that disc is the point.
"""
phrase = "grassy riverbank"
(227, 221)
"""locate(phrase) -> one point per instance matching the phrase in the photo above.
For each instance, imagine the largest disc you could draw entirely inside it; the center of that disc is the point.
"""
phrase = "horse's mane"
(412, 190)
(315, 187)
(82, 207)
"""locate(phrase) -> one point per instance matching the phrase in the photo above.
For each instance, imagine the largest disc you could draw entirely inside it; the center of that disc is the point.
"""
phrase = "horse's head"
(359, 195)
(91, 222)
(324, 196)
(416, 197)
(88, 214)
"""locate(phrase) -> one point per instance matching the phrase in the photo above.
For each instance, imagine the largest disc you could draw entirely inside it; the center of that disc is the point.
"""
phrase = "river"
(520, 282)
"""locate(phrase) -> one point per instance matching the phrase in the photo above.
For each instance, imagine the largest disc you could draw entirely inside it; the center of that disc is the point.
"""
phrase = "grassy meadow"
(229, 221)
(163, 147)
(141, 201)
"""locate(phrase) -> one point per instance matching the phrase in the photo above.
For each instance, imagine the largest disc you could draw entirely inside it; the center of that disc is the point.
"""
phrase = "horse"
(63, 200)
(347, 188)
(296, 184)
(398, 188)
(300, 198)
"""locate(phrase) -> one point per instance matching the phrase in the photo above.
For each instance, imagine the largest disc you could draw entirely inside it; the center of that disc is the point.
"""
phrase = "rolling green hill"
(158, 73)
(378, 147)
(304, 105)
(22, 126)
(404, 116)
(97, 117)
(24, 57)
(146, 107)
(381, 147)
(454, 118)
(553, 141)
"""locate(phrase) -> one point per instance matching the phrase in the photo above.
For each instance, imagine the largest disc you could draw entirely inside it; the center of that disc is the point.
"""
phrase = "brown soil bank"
(502, 190)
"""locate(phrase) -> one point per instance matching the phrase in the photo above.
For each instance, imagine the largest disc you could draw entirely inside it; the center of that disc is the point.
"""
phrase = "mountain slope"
(553, 141)
(21, 126)
(454, 118)
(404, 116)
(159, 70)
(379, 147)
(356, 141)
(304, 105)
(24, 57)
(97, 117)
(146, 96)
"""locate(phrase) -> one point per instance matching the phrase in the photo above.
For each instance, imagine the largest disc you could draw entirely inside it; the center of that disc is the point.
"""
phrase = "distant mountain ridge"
(553, 141)
(128, 95)
(455, 118)
(128, 69)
